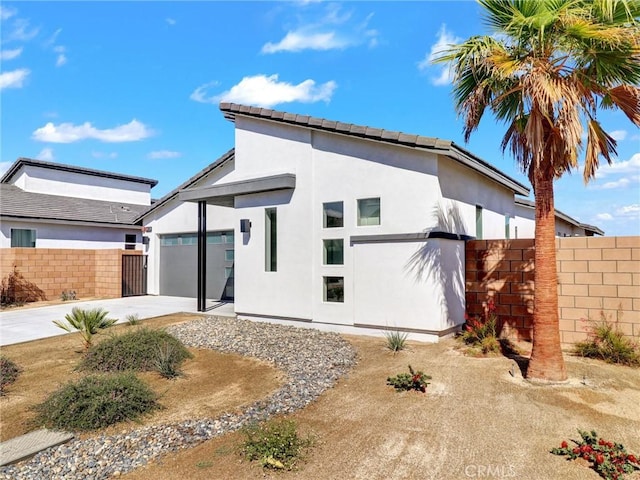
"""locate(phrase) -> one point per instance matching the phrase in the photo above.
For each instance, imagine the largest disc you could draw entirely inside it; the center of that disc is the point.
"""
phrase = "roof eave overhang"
(224, 194)
(59, 221)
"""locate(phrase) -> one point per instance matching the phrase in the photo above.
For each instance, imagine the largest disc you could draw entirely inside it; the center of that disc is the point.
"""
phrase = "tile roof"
(444, 147)
(15, 168)
(19, 204)
(525, 202)
(228, 156)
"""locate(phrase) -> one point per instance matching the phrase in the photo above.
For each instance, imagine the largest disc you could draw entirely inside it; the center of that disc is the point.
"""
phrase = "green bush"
(133, 319)
(96, 401)
(275, 444)
(9, 373)
(409, 381)
(396, 340)
(87, 322)
(138, 350)
(606, 342)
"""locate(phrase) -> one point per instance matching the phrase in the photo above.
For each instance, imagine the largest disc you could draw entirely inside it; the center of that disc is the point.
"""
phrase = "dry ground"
(206, 389)
(475, 421)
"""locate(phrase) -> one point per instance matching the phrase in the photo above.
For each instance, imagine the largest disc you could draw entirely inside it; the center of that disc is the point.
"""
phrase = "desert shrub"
(482, 333)
(609, 459)
(17, 290)
(137, 350)
(606, 342)
(396, 340)
(67, 295)
(275, 444)
(9, 373)
(409, 381)
(96, 401)
(86, 322)
(133, 319)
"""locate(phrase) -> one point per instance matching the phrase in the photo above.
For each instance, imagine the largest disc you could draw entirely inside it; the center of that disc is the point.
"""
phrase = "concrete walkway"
(22, 325)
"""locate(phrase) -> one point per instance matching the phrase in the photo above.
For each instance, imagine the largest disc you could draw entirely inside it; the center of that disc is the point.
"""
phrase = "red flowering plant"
(410, 381)
(482, 332)
(609, 459)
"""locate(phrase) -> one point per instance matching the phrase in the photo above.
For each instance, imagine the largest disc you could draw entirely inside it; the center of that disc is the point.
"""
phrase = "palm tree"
(87, 322)
(550, 66)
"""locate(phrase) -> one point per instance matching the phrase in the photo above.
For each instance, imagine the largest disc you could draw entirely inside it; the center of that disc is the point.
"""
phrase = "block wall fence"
(596, 275)
(91, 273)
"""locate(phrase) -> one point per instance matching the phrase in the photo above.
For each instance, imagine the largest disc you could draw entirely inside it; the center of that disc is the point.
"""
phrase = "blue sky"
(134, 87)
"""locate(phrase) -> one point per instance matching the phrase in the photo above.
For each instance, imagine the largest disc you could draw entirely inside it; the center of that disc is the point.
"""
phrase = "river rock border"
(312, 360)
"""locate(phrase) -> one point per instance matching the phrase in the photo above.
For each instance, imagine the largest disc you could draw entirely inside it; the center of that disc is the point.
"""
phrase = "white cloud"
(604, 216)
(617, 167)
(334, 29)
(14, 78)
(69, 133)
(6, 13)
(629, 210)
(46, 154)
(4, 166)
(300, 40)
(267, 91)
(10, 54)
(162, 154)
(445, 40)
(52, 39)
(170, 21)
(104, 154)
(617, 184)
(22, 31)
(618, 135)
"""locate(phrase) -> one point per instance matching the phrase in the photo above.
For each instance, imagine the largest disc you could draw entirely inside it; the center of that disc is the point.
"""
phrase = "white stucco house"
(51, 205)
(337, 225)
(523, 224)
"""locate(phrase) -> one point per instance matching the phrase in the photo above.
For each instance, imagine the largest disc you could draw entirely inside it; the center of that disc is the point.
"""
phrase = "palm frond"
(599, 143)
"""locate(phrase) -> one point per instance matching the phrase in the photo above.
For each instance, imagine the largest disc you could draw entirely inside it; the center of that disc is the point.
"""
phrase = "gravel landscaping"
(312, 360)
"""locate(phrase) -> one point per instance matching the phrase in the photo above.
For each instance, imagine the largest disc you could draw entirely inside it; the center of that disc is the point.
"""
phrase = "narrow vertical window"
(507, 227)
(334, 289)
(333, 252)
(478, 222)
(270, 240)
(333, 215)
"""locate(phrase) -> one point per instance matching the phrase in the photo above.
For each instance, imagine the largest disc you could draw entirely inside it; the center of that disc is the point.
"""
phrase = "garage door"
(179, 265)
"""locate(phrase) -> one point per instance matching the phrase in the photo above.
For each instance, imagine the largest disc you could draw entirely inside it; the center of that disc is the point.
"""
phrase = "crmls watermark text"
(489, 471)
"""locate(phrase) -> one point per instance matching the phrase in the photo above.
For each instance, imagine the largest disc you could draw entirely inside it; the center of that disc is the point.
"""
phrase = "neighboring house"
(343, 226)
(51, 205)
(523, 224)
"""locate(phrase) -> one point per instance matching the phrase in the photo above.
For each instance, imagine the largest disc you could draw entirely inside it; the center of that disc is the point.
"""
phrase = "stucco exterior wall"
(69, 184)
(49, 235)
(524, 225)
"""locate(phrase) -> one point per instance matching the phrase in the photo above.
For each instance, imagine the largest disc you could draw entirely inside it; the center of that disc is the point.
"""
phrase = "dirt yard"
(475, 421)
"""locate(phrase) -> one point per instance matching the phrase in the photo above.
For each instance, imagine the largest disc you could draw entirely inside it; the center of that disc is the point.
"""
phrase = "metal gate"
(134, 275)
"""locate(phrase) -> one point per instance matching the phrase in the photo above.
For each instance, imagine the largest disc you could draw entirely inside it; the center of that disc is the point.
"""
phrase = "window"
(228, 255)
(130, 238)
(270, 240)
(23, 238)
(228, 272)
(369, 211)
(478, 222)
(507, 229)
(333, 215)
(333, 252)
(334, 289)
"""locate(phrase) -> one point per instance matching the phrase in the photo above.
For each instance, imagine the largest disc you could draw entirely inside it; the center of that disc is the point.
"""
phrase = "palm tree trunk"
(546, 361)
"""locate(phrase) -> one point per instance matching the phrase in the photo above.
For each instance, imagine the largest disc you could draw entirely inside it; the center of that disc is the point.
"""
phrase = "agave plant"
(87, 322)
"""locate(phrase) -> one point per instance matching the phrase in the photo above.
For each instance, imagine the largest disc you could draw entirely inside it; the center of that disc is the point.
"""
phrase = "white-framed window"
(369, 211)
(270, 240)
(507, 226)
(23, 237)
(333, 289)
(333, 214)
(479, 222)
(333, 251)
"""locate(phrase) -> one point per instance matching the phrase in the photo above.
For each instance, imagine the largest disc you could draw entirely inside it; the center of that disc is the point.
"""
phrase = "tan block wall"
(597, 276)
(91, 273)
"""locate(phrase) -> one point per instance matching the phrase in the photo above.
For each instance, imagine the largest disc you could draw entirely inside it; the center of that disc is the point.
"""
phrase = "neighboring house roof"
(227, 157)
(15, 168)
(18, 204)
(437, 145)
(525, 202)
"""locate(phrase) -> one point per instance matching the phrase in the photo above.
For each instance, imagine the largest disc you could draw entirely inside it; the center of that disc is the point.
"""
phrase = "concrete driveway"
(21, 325)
